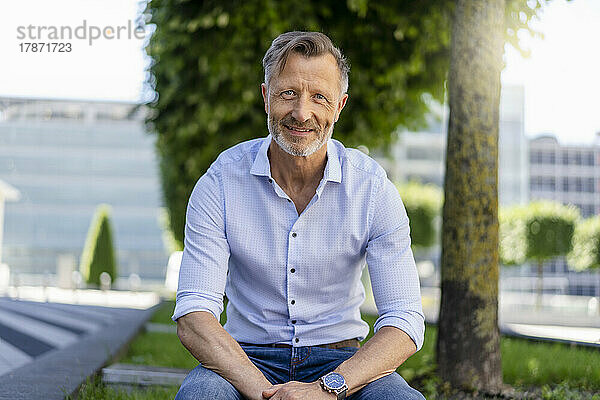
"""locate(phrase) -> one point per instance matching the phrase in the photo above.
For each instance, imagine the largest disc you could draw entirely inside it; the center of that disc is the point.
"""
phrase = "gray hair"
(308, 44)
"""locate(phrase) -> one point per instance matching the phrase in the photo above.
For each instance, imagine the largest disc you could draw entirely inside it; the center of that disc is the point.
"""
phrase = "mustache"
(291, 121)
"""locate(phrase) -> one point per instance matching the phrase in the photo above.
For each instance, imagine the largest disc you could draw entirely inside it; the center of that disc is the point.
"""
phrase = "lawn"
(558, 371)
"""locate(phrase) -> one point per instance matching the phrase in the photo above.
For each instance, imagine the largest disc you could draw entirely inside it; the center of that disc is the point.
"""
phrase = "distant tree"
(549, 234)
(423, 203)
(98, 253)
(468, 346)
(586, 248)
(536, 232)
(513, 238)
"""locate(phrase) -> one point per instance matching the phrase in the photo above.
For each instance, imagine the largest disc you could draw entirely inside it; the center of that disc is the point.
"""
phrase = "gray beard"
(293, 148)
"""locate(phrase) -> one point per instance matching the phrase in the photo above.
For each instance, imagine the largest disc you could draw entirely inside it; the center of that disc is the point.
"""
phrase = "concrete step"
(142, 375)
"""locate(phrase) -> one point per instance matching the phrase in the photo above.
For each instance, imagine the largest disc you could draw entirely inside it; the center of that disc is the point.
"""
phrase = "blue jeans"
(304, 364)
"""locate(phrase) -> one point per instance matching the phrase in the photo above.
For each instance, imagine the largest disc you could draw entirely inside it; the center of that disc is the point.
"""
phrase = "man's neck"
(296, 172)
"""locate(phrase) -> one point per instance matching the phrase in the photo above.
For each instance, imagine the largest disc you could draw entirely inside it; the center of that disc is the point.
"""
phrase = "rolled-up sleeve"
(204, 264)
(392, 268)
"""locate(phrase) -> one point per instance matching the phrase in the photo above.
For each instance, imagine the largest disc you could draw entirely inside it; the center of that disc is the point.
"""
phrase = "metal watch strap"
(342, 395)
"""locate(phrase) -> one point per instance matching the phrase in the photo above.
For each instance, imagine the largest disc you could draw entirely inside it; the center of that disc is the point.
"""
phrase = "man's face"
(303, 102)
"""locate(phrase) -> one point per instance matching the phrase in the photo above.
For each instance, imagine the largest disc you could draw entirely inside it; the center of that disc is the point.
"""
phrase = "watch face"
(334, 380)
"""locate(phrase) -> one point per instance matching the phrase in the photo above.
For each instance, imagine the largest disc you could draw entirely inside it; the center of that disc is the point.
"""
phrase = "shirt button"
(297, 340)
(289, 201)
(270, 180)
(293, 321)
(293, 302)
(293, 270)
(294, 234)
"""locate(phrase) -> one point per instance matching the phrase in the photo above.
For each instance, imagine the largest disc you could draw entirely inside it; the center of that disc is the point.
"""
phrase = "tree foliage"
(586, 245)
(538, 231)
(512, 238)
(423, 205)
(549, 230)
(98, 254)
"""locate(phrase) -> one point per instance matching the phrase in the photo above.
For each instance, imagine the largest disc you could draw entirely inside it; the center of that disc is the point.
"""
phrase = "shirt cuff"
(187, 302)
(413, 324)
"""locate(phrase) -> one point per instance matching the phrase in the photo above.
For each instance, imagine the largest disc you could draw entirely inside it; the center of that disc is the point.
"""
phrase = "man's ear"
(340, 106)
(265, 94)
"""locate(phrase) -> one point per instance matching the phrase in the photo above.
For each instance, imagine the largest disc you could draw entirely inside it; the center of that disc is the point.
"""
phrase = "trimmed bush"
(586, 245)
(98, 253)
(423, 203)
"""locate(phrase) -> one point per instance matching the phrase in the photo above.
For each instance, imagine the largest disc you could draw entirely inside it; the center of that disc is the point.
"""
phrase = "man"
(283, 225)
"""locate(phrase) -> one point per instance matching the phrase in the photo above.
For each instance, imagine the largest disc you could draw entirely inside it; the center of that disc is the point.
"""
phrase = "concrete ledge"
(60, 372)
(143, 375)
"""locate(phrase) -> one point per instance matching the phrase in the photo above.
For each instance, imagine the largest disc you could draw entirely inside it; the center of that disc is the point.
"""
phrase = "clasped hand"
(295, 390)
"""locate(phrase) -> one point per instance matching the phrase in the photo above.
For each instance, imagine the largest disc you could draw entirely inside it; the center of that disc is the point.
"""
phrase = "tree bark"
(468, 348)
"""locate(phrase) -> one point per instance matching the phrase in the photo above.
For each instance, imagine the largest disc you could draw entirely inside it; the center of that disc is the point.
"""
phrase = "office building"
(65, 158)
(568, 174)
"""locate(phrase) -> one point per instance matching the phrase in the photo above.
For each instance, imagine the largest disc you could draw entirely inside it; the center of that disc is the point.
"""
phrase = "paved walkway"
(48, 348)
(560, 319)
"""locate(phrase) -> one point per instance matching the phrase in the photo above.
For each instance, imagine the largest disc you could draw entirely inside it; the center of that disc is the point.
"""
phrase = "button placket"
(292, 262)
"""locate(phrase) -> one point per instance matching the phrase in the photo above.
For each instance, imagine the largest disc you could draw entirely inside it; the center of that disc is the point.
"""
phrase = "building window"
(542, 157)
(589, 159)
(564, 157)
(535, 157)
(587, 210)
(535, 183)
(549, 184)
(565, 184)
(588, 185)
(578, 158)
(578, 185)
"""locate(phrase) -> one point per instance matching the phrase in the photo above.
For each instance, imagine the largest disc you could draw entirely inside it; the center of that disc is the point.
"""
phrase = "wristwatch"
(334, 383)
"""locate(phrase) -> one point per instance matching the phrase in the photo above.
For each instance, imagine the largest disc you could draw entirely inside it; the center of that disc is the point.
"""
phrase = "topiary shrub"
(98, 253)
(423, 203)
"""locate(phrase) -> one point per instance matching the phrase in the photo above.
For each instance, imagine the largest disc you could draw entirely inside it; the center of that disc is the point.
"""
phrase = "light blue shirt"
(292, 278)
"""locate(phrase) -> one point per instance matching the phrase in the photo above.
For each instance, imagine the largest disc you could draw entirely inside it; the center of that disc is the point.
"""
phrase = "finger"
(270, 391)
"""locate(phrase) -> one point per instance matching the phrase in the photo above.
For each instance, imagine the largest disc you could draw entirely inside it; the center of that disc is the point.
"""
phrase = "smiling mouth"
(298, 131)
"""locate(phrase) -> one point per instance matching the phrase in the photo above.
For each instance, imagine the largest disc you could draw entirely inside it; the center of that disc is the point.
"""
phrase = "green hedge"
(586, 245)
(423, 203)
(98, 253)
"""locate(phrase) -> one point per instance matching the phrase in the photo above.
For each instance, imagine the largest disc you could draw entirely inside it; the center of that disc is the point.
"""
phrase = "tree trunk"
(468, 348)
(540, 285)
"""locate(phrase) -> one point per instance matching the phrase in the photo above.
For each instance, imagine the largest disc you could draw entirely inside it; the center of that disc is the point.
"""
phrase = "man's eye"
(288, 93)
(319, 96)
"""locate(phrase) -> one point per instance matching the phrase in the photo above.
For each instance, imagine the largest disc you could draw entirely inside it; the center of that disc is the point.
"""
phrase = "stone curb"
(60, 372)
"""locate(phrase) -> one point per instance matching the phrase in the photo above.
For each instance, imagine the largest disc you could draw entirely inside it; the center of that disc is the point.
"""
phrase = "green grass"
(164, 313)
(526, 362)
(94, 389)
(159, 349)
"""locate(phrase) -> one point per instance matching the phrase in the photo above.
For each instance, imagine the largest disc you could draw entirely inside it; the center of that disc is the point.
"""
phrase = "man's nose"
(301, 111)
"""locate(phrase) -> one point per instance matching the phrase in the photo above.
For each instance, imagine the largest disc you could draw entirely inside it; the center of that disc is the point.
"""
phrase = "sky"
(561, 77)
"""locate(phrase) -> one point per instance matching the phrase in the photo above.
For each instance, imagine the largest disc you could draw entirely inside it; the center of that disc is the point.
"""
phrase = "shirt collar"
(333, 168)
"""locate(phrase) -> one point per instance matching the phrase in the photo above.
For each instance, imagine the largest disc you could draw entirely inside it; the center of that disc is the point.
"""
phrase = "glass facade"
(66, 158)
